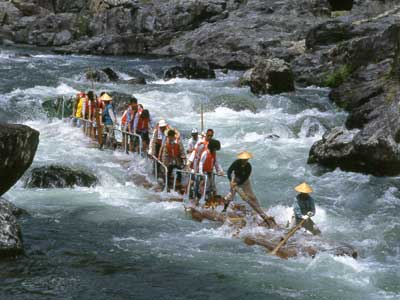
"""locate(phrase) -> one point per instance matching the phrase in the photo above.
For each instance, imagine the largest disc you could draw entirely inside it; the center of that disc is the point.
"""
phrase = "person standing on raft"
(238, 174)
(304, 208)
(109, 120)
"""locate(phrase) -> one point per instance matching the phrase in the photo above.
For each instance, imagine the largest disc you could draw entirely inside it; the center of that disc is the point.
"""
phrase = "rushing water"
(115, 241)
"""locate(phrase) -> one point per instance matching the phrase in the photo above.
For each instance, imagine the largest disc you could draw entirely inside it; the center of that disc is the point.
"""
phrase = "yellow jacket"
(79, 107)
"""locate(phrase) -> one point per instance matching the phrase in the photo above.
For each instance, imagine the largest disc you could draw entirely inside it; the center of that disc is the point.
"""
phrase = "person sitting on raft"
(208, 161)
(173, 155)
(238, 174)
(304, 208)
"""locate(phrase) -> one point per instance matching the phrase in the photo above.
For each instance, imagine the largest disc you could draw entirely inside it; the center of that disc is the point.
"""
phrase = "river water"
(116, 241)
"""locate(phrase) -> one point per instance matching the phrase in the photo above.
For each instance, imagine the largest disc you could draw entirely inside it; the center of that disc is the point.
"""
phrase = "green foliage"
(338, 76)
(82, 25)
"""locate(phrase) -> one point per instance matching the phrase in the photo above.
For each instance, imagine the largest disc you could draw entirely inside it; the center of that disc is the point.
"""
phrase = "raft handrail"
(62, 108)
(132, 134)
(157, 161)
(203, 197)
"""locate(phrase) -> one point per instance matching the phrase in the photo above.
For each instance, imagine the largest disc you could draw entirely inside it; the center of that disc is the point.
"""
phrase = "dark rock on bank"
(371, 95)
(55, 176)
(192, 68)
(18, 144)
(270, 76)
(10, 231)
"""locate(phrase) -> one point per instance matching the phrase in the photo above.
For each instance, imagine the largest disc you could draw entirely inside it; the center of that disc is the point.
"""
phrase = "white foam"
(45, 91)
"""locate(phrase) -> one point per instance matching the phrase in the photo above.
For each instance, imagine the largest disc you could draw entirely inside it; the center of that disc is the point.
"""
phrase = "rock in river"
(269, 76)
(18, 144)
(192, 68)
(10, 231)
(55, 176)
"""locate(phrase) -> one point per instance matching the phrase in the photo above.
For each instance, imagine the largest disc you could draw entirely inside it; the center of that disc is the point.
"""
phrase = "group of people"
(134, 122)
(164, 143)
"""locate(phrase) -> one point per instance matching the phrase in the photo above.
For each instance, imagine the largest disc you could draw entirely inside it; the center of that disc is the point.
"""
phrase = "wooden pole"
(290, 233)
(202, 116)
(269, 220)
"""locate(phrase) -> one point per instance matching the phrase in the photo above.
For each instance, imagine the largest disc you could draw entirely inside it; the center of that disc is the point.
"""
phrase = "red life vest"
(143, 124)
(209, 163)
(123, 118)
(173, 150)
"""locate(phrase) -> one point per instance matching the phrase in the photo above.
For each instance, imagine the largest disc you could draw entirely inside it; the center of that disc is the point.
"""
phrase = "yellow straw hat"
(105, 97)
(303, 188)
(245, 155)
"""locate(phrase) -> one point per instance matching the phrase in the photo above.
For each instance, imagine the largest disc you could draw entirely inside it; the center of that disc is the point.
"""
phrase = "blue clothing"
(108, 119)
(303, 204)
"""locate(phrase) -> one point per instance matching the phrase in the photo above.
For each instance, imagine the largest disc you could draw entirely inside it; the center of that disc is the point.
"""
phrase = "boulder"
(56, 176)
(10, 231)
(9, 13)
(270, 76)
(192, 68)
(137, 80)
(112, 76)
(358, 151)
(371, 95)
(336, 149)
(18, 144)
(328, 33)
(63, 38)
(103, 75)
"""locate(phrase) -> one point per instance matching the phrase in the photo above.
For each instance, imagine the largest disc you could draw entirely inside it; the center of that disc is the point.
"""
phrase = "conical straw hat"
(106, 97)
(245, 155)
(303, 188)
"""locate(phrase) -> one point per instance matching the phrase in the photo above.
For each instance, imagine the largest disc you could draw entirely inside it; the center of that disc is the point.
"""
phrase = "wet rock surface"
(191, 68)
(271, 76)
(10, 231)
(56, 176)
(18, 144)
(366, 85)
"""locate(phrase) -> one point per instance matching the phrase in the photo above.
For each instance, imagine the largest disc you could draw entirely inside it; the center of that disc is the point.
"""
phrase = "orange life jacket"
(143, 124)
(209, 163)
(173, 150)
(124, 116)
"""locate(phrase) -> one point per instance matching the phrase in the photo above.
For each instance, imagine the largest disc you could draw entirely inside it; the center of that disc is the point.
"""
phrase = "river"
(115, 241)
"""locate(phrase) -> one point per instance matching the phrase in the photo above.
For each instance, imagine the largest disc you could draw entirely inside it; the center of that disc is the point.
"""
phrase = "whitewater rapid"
(116, 240)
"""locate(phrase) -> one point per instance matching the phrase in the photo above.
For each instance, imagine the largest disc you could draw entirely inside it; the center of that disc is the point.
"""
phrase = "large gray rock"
(192, 68)
(55, 176)
(9, 13)
(270, 76)
(371, 95)
(18, 144)
(10, 231)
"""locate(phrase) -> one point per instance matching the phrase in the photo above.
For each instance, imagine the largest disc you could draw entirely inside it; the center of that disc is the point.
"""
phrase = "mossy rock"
(338, 76)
